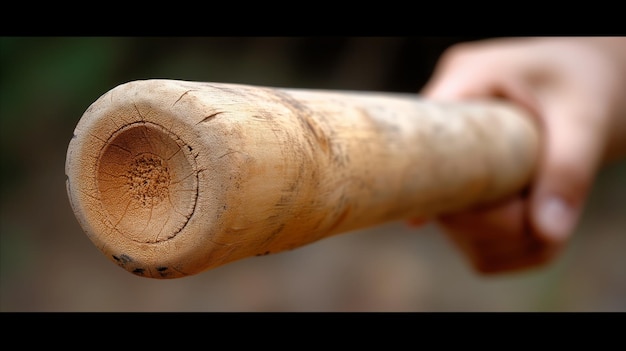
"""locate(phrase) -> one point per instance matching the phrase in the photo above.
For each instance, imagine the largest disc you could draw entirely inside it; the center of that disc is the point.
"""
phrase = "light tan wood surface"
(170, 178)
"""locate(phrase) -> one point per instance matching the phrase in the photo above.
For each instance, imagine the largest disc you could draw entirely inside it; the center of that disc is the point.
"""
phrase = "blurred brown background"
(48, 264)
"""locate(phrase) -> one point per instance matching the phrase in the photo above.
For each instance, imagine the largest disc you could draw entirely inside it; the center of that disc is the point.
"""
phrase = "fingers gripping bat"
(170, 178)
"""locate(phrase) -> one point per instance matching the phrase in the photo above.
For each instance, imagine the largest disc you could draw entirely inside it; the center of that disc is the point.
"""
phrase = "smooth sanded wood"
(170, 178)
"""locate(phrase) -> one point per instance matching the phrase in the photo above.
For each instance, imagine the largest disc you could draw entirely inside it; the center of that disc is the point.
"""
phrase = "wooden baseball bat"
(170, 178)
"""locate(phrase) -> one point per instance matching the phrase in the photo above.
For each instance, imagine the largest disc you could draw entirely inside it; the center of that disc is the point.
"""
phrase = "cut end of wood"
(145, 181)
(134, 182)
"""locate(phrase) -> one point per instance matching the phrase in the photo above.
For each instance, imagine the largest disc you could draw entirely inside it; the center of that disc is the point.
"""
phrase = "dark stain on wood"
(304, 117)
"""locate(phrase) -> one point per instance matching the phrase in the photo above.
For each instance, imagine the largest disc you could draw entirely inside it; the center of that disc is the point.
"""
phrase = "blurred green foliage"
(48, 82)
(45, 83)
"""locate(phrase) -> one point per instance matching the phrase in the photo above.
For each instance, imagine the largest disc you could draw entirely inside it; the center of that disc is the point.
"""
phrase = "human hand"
(575, 88)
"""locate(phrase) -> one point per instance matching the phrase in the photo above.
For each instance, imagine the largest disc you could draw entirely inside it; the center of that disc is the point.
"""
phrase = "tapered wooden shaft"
(170, 178)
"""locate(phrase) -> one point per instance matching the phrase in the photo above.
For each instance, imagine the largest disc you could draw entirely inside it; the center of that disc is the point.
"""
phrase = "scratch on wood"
(209, 117)
(230, 152)
(185, 93)
(139, 113)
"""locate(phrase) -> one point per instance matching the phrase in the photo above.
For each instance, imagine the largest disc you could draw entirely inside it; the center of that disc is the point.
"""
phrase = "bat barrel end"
(134, 183)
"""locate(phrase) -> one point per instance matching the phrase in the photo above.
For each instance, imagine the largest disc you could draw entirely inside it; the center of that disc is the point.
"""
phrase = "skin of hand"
(576, 89)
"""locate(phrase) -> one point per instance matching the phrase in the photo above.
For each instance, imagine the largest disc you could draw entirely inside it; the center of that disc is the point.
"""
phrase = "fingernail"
(555, 218)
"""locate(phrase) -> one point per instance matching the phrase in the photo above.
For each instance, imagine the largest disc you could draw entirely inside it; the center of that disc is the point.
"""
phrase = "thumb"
(571, 157)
